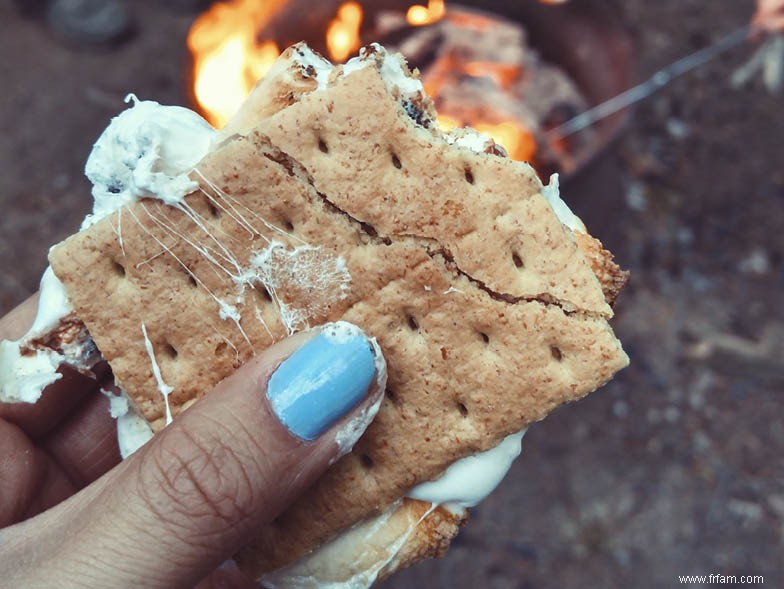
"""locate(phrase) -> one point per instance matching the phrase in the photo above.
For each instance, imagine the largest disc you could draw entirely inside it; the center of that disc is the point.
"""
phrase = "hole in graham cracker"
(462, 408)
(469, 176)
(192, 280)
(118, 268)
(263, 293)
(170, 351)
(518, 261)
(288, 225)
(556, 353)
(485, 337)
(221, 348)
(366, 461)
(396, 161)
(215, 212)
(390, 394)
(323, 146)
(412, 323)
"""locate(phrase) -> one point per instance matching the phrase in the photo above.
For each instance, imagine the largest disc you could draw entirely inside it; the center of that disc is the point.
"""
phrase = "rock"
(89, 22)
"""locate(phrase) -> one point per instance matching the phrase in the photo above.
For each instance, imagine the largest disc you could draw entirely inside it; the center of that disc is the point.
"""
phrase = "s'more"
(333, 196)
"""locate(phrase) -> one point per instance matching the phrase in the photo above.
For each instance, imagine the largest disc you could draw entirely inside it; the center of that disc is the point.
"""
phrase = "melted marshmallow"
(469, 139)
(133, 431)
(23, 377)
(53, 305)
(322, 276)
(146, 151)
(313, 65)
(552, 194)
(163, 388)
(393, 69)
(468, 481)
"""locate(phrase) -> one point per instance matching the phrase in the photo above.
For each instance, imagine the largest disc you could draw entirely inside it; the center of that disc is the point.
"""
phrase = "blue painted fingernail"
(323, 380)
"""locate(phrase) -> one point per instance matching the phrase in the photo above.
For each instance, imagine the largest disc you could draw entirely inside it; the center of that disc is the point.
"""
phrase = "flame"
(518, 142)
(419, 15)
(343, 32)
(227, 58)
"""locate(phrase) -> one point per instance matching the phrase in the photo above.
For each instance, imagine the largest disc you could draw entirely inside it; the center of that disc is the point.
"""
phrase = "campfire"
(478, 67)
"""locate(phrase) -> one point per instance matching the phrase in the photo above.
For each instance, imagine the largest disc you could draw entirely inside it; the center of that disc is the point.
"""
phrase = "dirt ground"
(677, 466)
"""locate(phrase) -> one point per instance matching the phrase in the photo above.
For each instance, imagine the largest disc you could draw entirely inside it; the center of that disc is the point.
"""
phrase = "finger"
(769, 17)
(16, 323)
(85, 445)
(30, 481)
(229, 465)
(35, 478)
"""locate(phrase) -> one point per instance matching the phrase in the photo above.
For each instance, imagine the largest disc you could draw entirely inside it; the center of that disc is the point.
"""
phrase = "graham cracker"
(607, 272)
(477, 345)
(372, 161)
(283, 85)
(430, 538)
(408, 532)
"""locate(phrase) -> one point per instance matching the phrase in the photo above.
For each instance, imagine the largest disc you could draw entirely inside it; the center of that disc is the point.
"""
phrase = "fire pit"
(512, 70)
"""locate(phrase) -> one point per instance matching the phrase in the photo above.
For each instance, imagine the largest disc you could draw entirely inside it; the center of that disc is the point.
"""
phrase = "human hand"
(56, 447)
(769, 16)
(188, 500)
(768, 60)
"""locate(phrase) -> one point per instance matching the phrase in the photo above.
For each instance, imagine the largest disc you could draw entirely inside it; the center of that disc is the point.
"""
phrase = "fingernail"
(323, 380)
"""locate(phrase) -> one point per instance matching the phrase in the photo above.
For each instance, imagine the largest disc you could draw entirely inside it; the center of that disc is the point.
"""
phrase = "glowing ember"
(343, 32)
(419, 15)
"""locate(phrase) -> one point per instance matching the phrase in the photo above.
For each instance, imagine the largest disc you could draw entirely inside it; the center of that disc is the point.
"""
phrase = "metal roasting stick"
(652, 85)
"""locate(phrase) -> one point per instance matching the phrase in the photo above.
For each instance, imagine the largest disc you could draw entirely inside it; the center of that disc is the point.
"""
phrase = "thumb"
(230, 464)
